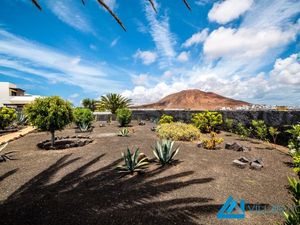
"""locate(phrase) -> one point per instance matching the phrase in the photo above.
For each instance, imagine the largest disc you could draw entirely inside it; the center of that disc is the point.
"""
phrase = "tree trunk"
(52, 138)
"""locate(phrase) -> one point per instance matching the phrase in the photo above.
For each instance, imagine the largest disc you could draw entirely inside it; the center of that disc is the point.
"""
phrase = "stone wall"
(271, 118)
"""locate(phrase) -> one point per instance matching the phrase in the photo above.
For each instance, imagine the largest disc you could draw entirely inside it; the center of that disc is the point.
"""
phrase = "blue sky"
(244, 49)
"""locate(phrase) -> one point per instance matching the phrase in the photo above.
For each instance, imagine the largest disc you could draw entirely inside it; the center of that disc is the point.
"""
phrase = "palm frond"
(153, 6)
(102, 3)
(187, 5)
(35, 2)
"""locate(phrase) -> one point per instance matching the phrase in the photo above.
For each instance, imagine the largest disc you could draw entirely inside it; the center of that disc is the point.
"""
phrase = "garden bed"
(83, 187)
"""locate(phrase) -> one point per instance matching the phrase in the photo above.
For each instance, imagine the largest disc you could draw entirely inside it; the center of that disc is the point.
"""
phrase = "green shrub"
(296, 162)
(229, 124)
(7, 117)
(135, 162)
(83, 117)
(163, 151)
(124, 116)
(243, 131)
(274, 133)
(49, 114)
(260, 129)
(294, 142)
(178, 131)
(207, 121)
(165, 119)
(212, 142)
(292, 215)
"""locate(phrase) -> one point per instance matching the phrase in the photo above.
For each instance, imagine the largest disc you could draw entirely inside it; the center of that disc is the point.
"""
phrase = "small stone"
(200, 144)
(255, 166)
(239, 163)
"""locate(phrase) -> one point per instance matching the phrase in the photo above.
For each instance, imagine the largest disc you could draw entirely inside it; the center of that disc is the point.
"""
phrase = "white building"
(12, 96)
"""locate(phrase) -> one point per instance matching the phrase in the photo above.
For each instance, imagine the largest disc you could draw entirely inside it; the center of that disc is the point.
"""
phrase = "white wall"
(4, 93)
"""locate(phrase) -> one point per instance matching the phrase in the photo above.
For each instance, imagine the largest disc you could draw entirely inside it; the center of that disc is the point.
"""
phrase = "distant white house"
(12, 96)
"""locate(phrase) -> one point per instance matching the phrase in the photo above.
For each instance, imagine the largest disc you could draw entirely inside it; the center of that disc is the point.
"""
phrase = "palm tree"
(89, 104)
(108, 9)
(114, 101)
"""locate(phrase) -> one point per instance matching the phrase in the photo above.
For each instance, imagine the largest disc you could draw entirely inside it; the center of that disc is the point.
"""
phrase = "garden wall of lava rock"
(65, 142)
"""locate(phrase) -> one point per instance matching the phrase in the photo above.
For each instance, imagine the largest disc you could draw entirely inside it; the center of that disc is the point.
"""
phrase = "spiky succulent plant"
(123, 132)
(134, 162)
(6, 156)
(164, 152)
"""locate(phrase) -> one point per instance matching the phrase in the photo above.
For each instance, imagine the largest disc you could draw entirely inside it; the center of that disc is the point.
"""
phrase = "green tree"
(50, 114)
(7, 117)
(207, 121)
(274, 133)
(89, 104)
(113, 102)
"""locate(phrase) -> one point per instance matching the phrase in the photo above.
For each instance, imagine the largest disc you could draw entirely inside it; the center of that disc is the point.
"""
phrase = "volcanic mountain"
(194, 99)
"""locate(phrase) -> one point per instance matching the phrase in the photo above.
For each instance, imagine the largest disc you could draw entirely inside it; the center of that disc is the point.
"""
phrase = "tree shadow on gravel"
(9, 173)
(102, 197)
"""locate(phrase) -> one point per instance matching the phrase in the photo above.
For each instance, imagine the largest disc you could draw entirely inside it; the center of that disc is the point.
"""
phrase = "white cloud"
(245, 42)
(18, 54)
(196, 38)
(71, 14)
(114, 42)
(147, 57)
(287, 71)
(183, 56)
(202, 2)
(141, 79)
(226, 11)
(141, 94)
(111, 3)
(75, 95)
(160, 31)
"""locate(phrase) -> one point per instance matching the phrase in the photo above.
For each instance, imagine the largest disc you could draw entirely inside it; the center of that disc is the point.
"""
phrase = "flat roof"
(17, 89)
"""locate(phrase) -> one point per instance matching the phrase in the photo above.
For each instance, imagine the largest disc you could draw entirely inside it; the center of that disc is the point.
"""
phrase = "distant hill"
(194, 99)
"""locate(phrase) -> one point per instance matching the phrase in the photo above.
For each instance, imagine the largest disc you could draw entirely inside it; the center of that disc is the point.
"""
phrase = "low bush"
(243, 131)
(213, 142)
(165, 119)
(229, 124)
(178, 131)
(7, 117)
(83, 117)
(207, 121)
(294, 142)
(124, 116)
(260, 129)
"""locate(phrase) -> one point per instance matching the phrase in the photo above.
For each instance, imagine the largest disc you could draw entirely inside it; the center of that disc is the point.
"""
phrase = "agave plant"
(110, 11)
(164, 152)
(6, 156)
(84, 127)
(135, 162)
(123, 132)
(21, 118)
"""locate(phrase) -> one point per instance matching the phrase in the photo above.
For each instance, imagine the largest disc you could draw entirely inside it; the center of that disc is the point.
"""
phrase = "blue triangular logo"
(231, 209)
